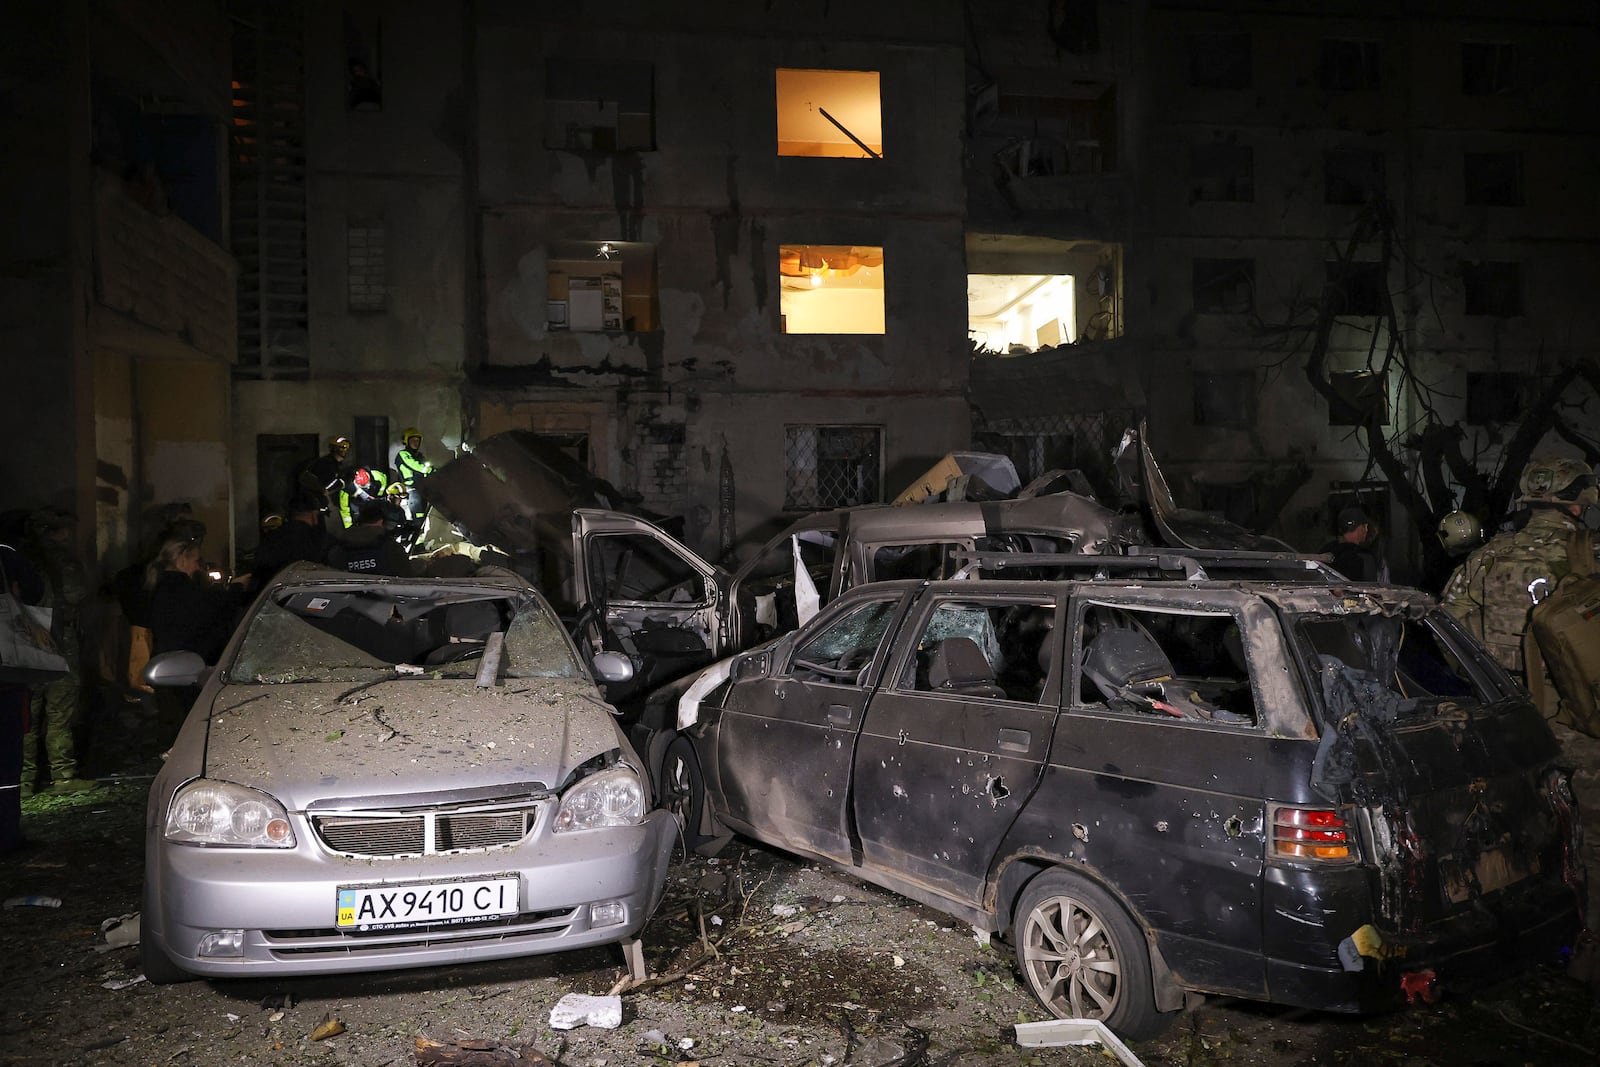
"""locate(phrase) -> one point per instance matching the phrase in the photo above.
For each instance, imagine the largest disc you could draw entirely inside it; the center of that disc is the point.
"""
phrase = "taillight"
(1311, 834)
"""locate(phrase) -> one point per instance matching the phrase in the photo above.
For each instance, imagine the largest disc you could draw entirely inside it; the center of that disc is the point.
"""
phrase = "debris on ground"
(1052, 1033)
(475, 1052)
(119, 931)
(122, 983)
(330, 1026)
(580, 1009)
(33, 901)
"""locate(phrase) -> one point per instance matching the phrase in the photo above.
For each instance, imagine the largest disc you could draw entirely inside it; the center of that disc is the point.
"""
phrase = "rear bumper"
(1516, 928)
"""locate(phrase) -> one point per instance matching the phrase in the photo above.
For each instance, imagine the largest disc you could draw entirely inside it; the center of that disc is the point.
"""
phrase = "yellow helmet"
(339, 446)
(408, 433)
(271, 522)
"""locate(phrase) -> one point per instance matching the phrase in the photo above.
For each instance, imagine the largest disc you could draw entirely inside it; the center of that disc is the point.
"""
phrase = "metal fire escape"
(267, 162)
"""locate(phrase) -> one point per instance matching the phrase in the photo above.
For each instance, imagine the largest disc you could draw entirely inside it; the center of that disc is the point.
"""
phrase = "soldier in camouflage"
(56, 703)
(1494, 591)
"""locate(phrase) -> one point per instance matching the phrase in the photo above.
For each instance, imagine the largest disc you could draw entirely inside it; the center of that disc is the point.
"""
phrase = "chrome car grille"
(473, 828)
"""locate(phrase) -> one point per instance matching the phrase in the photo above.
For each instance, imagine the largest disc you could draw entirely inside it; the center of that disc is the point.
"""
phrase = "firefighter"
(327, 474)
(412, 467)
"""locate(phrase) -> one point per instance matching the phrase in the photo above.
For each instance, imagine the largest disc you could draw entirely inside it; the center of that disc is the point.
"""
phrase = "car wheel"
(683, 790)
(1084, 957)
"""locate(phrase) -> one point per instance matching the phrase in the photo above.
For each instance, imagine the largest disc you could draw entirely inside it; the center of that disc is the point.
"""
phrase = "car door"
(783, 742)
(954, 741)
(642, 593)
(1160, 767)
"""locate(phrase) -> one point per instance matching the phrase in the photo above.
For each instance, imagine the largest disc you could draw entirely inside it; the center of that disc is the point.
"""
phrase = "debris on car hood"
(527, 733)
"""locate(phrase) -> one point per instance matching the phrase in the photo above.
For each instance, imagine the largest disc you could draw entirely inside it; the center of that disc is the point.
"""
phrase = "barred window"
(364, 266)
(832, 466)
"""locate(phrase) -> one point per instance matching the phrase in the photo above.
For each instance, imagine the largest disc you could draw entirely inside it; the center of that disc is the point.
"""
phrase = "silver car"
(387, 773)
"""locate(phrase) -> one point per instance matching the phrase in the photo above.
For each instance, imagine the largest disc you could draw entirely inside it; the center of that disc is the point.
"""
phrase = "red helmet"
(362, 477)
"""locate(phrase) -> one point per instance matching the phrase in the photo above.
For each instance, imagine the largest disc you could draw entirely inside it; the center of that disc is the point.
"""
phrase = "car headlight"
(608, 798)
(222, 813)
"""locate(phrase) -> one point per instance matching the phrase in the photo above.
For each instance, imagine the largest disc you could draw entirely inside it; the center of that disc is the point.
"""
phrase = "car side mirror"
(612, 667)
(176, 669)
(753, 665)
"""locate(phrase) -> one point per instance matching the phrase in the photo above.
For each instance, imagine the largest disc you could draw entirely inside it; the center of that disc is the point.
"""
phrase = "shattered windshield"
(344, 635)
(1392, 666)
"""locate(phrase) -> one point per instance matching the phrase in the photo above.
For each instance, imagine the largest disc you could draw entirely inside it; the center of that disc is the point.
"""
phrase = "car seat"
(959, 666)
(1119, 659)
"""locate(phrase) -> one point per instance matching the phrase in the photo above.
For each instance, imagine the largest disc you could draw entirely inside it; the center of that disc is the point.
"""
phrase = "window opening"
(846, 647)
(370, 444)
(766, 594)
(831, 289)
(1492, 179)
(1357, 288)
(363, 35)
(1222, 172)
(1219, 60)
(996, 650)
(599, 105)
(1488, 68)
(1352, 177)
(1021, 312)
(637, 567)
(1493, 397)
(1365, 398)
(602, 286)
(1493, 289)
(1224, 286)
(1349, 66)
(1406, 667)
(832, 113)
(1225, 398)
(930, 561)
(1172, 666)
(832, 466)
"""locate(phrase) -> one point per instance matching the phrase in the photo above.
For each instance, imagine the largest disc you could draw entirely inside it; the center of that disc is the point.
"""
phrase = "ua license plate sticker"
(393, 907)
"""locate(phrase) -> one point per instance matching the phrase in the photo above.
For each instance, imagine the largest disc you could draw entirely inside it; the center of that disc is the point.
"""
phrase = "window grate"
(1066, 441)
(832, 466)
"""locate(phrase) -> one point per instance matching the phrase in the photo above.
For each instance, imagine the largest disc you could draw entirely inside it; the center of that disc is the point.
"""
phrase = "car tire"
(1083, 956)
(683, 791)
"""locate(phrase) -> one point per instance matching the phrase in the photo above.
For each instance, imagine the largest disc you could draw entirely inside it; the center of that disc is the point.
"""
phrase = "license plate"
(393, 907)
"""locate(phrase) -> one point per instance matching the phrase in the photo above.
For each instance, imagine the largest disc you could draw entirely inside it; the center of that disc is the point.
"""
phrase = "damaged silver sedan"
(1311, 794)
(394, 773)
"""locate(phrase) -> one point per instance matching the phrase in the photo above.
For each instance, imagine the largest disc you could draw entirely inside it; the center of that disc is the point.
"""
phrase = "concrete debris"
(1058, 1032)
(579, 1009)
(119, 931)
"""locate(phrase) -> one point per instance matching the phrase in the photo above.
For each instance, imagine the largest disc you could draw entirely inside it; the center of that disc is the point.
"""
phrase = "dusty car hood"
(302, 743)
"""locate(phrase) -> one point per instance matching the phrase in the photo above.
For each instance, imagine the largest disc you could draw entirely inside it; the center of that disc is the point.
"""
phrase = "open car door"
(642, 593)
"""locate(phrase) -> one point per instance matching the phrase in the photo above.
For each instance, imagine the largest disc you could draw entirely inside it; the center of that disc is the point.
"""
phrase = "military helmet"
(1459, 531)
(1557, 479)
(408, 433)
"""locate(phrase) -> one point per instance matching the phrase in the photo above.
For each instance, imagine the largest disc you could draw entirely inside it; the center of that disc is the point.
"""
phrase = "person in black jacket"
(370, 547)
(1354, 555)
(187, 612)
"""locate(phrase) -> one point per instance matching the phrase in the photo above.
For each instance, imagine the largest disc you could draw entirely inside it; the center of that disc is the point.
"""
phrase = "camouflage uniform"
(1489, 592)
(55, 704)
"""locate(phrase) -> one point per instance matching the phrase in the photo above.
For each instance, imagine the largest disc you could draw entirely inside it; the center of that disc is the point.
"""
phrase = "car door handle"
(1016, 740)
(840, 713)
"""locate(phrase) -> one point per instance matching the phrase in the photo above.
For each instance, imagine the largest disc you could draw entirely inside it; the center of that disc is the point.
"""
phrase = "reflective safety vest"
(412, 466)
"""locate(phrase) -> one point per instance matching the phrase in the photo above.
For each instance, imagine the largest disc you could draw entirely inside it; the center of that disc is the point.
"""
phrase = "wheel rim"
(1071, 960)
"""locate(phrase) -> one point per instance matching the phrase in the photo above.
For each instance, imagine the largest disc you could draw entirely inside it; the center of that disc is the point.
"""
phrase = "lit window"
(1021, 312)
(831, 288)
(832, 466)
(599, 107)
(602, 286)
(829, 113)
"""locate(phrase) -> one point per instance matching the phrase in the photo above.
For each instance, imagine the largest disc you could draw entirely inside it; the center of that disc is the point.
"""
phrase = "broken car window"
(997, 649)
(845, 648)
(1415, 660)
(639, 568)
(766, 592)
(1175, 665)
(331, 635)
(931, 561)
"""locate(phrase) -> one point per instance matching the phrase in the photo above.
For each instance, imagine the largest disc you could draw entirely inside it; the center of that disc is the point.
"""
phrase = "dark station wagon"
(1314, 794)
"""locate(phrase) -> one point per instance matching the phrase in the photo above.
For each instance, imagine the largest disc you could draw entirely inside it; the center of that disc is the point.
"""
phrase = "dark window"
(1357, 288)
(985, 649)
(1234, 501)
(1492, 288)
(370, 443)
(639, 568)
(1493, 179)
(831, 466)
(846, 647)
(1219, 61)
(601, 286)
(279, 457)
(1493, 396)
(1224, 286)
(1364, 396)
(1488, 69)
(363, 75)
(1349, 66)
(365, 274)
(1352, 177)
(599, 105)
(1075, 26)
(1168, 666)
(1071, 133)
(1226, 398)
(1224, 172)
